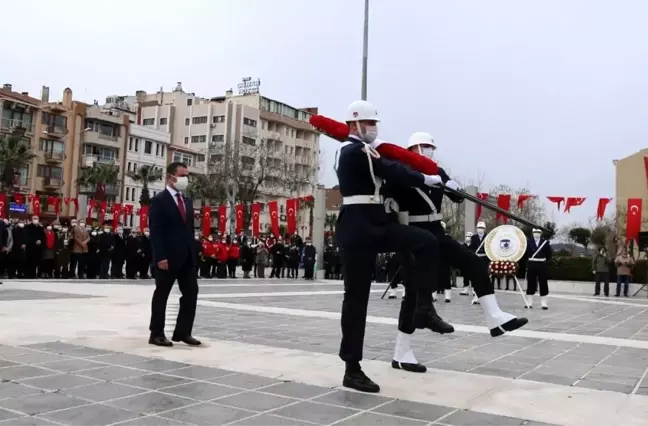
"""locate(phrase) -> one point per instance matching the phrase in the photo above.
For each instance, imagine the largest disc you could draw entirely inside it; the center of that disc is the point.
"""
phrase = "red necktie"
(181, 207)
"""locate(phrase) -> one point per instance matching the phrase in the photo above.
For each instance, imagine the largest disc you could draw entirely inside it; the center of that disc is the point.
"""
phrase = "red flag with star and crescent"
(573, 202)
(206, 221)
(291, 218)
(256, 213)
(274, 217)
(633, 221)
(222, 218)
(239, 217)
(3, 205)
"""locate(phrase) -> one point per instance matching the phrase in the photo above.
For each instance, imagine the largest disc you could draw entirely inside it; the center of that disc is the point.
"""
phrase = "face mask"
(21, 225)
(73, 224)
(224, 241)
(210, 238)
(94, 234)
(82, 225)
(88, 228)
(467, 240)
(308, 244)
(427, 151)
(107, 230)
(480, 232)
(147, 233)
(57, 227)
(536, 235)
(197, 237)
(35, 221)
(120, 231)
(49, 228)
(370, 134)
(64, 229)
(182, 182)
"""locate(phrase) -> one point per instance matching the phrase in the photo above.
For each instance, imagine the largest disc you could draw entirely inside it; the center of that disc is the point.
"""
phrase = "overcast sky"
(537, 94)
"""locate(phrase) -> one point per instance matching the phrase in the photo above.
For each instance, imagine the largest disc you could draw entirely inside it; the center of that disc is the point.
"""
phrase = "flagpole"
(365, 49)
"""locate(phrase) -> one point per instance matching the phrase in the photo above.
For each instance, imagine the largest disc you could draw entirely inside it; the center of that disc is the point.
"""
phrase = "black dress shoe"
(511, 325)
(413, 368)
(160, 341)
(434, 322)
(189, 340)
(359, 381)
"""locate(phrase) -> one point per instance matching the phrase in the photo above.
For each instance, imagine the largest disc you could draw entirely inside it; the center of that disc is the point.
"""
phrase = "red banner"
(56, 202)
(504, 202)
(76, 206)
(36, 205)
(633, 225)
(103, 206)
(557, 200)
(144, 215)
(274, 217)
(256, 213)
(291, 215)
(206, 221)
(240, 211)
(91, 207)
(222, 219)
(128, 210)
(478, 210)
(600, 209)
(19, 198)
(117, 209)
(3, 205)
(522, 198)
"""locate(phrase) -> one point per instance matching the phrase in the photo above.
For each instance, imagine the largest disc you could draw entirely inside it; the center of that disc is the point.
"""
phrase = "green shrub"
(569, 268)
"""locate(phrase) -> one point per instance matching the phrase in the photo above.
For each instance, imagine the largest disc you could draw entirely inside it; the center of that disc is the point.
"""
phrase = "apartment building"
(146, 147)
(208, 132)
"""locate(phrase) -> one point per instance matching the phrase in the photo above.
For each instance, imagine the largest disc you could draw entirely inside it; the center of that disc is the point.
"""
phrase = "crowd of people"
(75, 249)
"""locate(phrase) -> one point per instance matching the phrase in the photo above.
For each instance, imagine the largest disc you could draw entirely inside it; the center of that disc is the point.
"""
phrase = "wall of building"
(631, 182)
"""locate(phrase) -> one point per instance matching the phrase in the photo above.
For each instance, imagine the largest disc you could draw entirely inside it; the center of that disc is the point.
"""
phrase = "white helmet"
(421, 138)
(481, 225)
(469, 234)
(361, 110)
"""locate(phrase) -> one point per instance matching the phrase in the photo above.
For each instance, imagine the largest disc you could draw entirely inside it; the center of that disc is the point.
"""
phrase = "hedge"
(580, 269)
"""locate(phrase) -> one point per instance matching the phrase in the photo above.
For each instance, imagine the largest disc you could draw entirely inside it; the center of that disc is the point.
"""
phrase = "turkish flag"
(573, 202)
(240, 210)
(600, 209)
(57, 204)
(478, 210)
(101, 208)
(222, 218)
(206, 221)
(504, 202)
(144, 215)
(36, 205)
(19, 198)
(557, 200)
(633, 221)
(76, 206)
(91, 206)
(291, 212)
(3, 205)
(256, 213)
(522, 198)
(117, 208)
(274, 217)
(128, 210)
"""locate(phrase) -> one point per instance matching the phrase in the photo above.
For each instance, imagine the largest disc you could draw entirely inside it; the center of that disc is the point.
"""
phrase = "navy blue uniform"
(537, 266)
(364, 229)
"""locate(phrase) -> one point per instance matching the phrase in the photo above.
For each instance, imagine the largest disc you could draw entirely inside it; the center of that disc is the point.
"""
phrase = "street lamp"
(365, 48)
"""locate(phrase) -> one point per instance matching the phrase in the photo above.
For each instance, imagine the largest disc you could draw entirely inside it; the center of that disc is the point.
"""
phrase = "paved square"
(76, 353)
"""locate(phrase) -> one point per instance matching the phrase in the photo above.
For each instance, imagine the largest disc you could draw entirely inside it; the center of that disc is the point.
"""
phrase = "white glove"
(452, 185)
(431, 180)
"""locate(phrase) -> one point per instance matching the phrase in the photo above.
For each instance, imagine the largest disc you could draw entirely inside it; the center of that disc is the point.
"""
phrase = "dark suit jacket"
(172, 238)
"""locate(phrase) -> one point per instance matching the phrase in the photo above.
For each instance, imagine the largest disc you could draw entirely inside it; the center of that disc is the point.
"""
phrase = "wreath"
(502, 268)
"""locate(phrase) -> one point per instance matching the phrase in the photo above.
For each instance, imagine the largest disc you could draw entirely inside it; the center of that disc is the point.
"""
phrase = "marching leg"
(532, 283)
(403, 354)
(544, 286)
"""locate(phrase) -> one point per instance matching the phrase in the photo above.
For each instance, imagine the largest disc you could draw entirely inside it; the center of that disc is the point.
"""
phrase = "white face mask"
(107, 230)
(467, 240)
(94, 234)
(370, 134)
(35, 221)
(427, 151)
(182, 182)
(21, 225)
(64, 229)
(147, 233)
(210, 239)
(73, 224)
(120, 231)
(480, 232)
(49, 228)
(536, 235)
(197, 237)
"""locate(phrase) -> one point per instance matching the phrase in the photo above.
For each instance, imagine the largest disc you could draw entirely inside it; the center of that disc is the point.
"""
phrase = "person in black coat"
(247, 258)
(93, 260)
(18, 256)
(145, 255)
(133, 250)
(35, 239)
(106, 246)
(293, 262)
(278, 257)
(310, 256)
(119, 255)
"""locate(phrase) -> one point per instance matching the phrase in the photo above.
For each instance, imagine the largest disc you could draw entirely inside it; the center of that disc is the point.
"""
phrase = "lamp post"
(365, 48)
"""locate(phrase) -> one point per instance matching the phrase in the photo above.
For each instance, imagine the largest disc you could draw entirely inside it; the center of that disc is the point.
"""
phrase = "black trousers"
(537, 275)
(144, 265)
(445, 281)
(231, 267)
(132, 264)
(116, 270)
(309, 271)
(104, 269)
(358, 265)
(605, 277)
(188, 284)
(78, 264)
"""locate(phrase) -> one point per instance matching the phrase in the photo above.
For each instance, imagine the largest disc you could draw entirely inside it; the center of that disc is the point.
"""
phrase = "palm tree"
(15, 152)
(146, 175)
(330, 220)
(98, 177)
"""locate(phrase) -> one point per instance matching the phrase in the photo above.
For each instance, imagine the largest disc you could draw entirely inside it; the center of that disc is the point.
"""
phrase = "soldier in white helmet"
(423, 208)
(466, 280)
(364, 229)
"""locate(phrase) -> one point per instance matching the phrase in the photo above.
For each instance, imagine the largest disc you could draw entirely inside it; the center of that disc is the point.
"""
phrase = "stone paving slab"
(159, 392)
(12, 294)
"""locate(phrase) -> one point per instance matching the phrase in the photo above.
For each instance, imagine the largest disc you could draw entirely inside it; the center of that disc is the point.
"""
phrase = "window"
(183, 158)
(148, 122)
(136, 145)
(148, 147)
(263, 124)
(218, 138)
(157, 149)
(130, 143)
(247, 163)
(200, 158)
(163, 121)
(216, 158)
(48, 145)
(127, 194)
(249, 122)
(101, 152)
(50, 172)
(199, 120)
(218, 119)
(186, 140)
(162, 151)
(16, 117)
(187, 121)
(189, 102)
(54, 122)
(248, 141)
(199, 139)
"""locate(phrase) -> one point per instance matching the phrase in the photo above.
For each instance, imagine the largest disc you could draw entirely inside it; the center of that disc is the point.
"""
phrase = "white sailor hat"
(536, 230)
(469, 234)
(481, 225)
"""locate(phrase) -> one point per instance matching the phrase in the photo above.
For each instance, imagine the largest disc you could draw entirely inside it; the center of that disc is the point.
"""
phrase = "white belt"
(533, 259)
(361, 199)
(481, 254)
(425, 218)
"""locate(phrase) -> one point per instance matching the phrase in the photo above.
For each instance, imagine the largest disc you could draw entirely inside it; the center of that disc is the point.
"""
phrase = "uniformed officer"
(423, 208)
(477, 242)
(364, 229)
(538, 255)
(466, 280)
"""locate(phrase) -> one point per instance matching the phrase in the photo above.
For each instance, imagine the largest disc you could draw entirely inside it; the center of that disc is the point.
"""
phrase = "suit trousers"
(358, 266)
(188, 284)
(537, 275)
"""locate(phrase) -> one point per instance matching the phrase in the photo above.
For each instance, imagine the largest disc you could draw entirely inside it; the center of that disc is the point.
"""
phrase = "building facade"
(146, 147)
(631, 182)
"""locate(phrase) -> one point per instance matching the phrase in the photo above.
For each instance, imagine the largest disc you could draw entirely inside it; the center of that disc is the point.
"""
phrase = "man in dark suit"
(174, 257)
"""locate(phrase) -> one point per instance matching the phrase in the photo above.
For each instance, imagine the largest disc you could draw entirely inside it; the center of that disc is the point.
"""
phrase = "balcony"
(54, 156)
(11, 126)
(99, 138)
(57, 107)
(52, 182)
(22, 183)
(55, 131)
(110, 190)
(91, 160)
